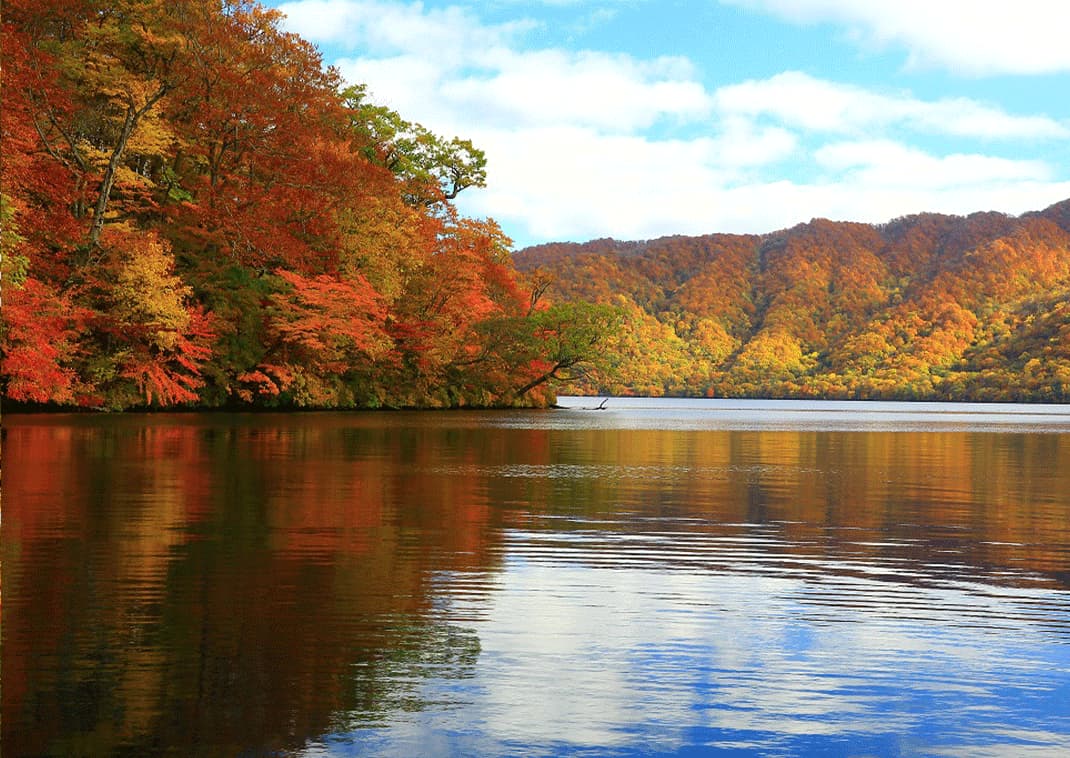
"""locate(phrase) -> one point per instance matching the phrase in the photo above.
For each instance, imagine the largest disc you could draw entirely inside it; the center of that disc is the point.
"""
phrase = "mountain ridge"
(925, 306)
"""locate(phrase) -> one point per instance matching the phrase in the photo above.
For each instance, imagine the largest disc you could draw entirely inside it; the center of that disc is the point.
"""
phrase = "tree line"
(196, 211)
(928, 306)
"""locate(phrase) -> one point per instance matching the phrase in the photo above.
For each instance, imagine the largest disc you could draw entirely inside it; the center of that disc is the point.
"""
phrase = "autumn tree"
(924, 306)
(430, 167)
(559, 343)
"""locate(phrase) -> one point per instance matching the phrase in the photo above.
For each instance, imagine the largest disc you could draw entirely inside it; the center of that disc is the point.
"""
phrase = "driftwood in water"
(601, 406)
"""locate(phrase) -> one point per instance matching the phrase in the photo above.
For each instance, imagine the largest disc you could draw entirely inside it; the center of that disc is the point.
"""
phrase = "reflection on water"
(794, 415)
(762, 578)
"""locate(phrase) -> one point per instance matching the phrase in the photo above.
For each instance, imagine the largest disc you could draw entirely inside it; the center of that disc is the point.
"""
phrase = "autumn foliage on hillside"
(924, 307)
(196, 211)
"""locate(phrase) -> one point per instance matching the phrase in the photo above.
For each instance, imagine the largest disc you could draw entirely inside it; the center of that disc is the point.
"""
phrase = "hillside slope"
(923, 307)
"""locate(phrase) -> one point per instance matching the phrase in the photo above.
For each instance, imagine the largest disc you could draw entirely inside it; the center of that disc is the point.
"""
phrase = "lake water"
(656, 578)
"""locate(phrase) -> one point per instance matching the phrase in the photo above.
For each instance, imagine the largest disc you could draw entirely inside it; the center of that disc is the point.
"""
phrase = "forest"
(925, 307)
(197, 212)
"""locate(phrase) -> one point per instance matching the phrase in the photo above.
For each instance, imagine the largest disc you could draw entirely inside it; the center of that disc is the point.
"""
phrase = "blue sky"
(636, 119)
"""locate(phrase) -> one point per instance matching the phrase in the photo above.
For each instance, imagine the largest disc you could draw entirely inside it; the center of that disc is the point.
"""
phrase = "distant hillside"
(923, 307)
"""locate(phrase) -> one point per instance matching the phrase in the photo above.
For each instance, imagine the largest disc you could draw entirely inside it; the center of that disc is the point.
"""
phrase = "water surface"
(670, 577)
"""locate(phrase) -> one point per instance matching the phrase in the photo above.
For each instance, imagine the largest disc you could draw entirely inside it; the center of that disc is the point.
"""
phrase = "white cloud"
(777, 205)
(574, 149)
(449, 36)
(890, 165)
(567, 184)
(816, 104)
(407, 83)
(615, 93)
(988, 37)
(575, 183)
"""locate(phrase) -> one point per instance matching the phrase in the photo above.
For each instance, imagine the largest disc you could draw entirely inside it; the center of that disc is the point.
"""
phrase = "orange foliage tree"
(197, 211)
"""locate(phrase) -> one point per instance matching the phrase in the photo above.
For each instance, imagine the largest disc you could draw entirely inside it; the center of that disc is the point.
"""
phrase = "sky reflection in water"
(646, 636)
(766, 580)
(583, 651)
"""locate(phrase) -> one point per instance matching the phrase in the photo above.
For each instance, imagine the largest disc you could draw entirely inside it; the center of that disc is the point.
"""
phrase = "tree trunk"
(133, 118)
(551, 374)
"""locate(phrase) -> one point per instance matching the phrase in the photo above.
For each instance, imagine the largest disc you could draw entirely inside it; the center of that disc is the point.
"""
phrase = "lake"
(662, 577)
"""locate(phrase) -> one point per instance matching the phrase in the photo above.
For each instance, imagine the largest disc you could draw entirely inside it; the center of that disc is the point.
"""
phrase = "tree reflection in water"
(225, 585)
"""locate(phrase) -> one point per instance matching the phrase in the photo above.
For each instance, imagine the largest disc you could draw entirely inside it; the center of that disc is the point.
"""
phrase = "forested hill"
(194, 210)
(926, 306)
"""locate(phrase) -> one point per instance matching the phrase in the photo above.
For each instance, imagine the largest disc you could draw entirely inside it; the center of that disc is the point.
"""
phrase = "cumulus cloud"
(966, 36)
(576, 183)
(888, 164)
(448, 36)
(584, 143)
(816, 104)
(615, 93)
(445, 65)
(559, 183)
